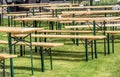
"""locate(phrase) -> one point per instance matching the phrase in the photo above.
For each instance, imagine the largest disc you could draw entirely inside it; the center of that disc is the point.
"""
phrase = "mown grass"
(68, 61)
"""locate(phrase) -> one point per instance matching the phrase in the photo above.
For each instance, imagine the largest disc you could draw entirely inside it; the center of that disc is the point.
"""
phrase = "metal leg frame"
(10, 49)
(2, 64)
(108, 41)
(86, 49)
(42, 58)
(112, 43)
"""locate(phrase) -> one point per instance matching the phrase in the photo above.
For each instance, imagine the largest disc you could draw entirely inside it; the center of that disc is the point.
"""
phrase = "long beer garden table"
(89, 12)
(55, 9)
(18, 30)
(94, 20)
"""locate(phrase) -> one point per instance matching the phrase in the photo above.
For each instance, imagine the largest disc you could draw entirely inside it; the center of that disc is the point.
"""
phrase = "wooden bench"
(72, 31)
(41, 45)
(87, 26)
(2, 61)
(63, 31)
(83, 37)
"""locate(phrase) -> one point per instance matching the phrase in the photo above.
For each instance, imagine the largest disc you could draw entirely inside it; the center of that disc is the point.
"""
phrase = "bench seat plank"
(7, 56)
(43, 44)
(90, 37)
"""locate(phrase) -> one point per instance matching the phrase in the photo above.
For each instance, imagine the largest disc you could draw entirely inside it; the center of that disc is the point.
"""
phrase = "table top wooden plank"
(67, 19)
(80, 7)
(64, 31)
(32, 4)
(51, 5)
(92, 37)
(17, 30)
(7, 56)
(87, 26)
(43, 44)
(113, 32)
(89, 12)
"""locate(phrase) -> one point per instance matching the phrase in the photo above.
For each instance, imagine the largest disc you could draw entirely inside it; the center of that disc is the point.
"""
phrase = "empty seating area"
(40, 34)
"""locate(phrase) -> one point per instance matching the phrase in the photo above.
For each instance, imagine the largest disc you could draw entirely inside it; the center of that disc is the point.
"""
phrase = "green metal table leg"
(95, 48)
(56, 15)
(14, 22)
(35, 25)
(31, 55)
(4, 68)
(86, 49)
(94, 28)
(77, 40)
(92, 49)
(45, 39)
(51, 59)
(10, 51)
(0, 19)
(21, 48)
(108, 41)
(8, 17)
(59, 25)
(33, 11)
(52, 25)
(104, 33)
(42, 58)
(94, 33)
(53, 13)
(112, 43)
(11, 21)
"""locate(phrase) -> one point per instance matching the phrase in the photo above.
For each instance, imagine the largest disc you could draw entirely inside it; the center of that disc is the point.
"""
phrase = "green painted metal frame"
(92, 49)
(2, 64)
(86, 49)
(108, 42)
(10, 50)
(42, 58)
(112, 43)
(8, 8)
(1, 18)
(104, 33)
(94, 33)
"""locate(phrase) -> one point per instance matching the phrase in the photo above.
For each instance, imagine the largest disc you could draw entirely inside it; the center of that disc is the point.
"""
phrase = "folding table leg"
(42, 58)
(51, 59)
(86, 49)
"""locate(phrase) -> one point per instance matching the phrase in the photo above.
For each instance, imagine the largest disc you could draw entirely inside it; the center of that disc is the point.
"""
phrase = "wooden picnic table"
(89, 12)
(80, 7)
(83, 37)
(67, 19)
(7, 5)
(93, 20)
(51, 5)
(17, 30)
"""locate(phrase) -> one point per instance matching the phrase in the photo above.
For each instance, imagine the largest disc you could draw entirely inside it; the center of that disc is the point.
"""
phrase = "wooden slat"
(80, 7)
(18, 30)
(68, 19)
(87, 26)
(64, 31)
(89, 12)
(7, 56)
(90, 37)
(43, 44)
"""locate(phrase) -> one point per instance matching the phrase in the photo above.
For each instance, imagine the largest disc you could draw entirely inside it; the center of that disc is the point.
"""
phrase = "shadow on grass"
(63, 55)
(26, 68)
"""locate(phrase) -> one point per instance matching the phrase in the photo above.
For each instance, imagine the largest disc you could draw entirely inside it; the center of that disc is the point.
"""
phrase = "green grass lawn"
(69, 61)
